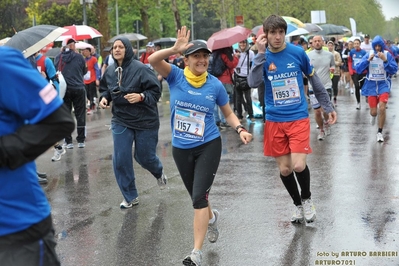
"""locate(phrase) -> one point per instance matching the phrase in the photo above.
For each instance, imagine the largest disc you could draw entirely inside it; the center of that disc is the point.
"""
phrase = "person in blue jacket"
(381, 66)
(29, 125)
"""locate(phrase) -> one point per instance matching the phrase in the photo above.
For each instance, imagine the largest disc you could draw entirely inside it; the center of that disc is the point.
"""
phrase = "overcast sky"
(390, 8)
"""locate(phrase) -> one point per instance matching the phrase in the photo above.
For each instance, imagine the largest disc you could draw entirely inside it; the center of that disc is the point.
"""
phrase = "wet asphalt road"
(354, 184)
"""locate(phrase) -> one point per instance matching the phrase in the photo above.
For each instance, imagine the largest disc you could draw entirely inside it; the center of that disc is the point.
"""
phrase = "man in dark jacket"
(73, 67)
(134, 91)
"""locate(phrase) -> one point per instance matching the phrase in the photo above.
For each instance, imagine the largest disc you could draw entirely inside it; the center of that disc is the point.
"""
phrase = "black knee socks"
(292, 188)
(304, 182)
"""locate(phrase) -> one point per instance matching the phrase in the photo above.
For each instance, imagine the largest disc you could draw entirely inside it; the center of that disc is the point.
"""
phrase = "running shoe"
(57, 154)
(309, 210)
(213, 232)
(126, 205)
(69, 146)
(358, 106)
(162, 181)
(321, 135)
(327, 128)
(380, 138)
(297, 217)
(372, 120)
(81, 145)
(352, 91)
(194, 259)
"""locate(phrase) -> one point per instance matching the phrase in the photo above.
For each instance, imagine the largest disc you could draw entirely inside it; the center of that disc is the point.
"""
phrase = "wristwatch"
(142, 97)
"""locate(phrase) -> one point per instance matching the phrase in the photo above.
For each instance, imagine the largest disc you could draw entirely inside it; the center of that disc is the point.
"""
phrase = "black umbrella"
(53, 52)
(166, 41)
(130, 36)
(331, 29)
(33, 39)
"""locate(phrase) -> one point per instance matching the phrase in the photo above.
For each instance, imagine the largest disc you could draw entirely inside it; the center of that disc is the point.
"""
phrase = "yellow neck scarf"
(195, 81)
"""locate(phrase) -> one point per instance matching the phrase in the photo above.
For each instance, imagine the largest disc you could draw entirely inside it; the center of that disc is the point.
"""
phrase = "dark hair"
(228, 51)
(274, 22)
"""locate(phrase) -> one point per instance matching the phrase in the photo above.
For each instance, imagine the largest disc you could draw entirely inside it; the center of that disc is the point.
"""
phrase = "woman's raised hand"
(183, 37)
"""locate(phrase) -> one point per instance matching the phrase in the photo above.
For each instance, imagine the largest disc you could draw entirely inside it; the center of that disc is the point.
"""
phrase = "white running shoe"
(297, 217)
(372, 120)
(380, 138)
(57, 154)
(213, 232)
(358, 106)
(194, 259)
(309, 210)
(352, 91)
(126, 205)
(327, 128)
(321, 135)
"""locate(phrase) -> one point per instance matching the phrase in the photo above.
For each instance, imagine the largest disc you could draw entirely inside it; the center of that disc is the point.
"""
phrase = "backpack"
(216, 65)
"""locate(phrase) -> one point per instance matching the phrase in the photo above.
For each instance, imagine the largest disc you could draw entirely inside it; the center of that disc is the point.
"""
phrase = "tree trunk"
(146, 26)
(176, 15)
(103, 25)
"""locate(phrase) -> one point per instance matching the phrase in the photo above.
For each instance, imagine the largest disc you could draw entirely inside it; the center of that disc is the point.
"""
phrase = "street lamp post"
(84, 12)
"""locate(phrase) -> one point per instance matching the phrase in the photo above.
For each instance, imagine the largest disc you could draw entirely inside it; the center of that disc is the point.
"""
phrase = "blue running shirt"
(284, 92)
(25, 98)
(192, 108)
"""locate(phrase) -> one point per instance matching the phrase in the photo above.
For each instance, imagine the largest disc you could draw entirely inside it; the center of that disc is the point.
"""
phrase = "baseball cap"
(198, 45)
(150, 44)
(366, 36)
(68, 41)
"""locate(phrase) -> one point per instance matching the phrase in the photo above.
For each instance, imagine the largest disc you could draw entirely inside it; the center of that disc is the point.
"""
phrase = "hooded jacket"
(73, 67)
(371, 86)
(135, 77)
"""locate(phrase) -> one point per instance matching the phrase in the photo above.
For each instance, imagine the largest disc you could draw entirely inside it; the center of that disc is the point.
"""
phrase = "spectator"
(73, 67)
(27, 129)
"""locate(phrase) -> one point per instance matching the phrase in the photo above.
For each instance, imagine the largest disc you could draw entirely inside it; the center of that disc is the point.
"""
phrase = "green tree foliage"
(12, 17)
(161, 18)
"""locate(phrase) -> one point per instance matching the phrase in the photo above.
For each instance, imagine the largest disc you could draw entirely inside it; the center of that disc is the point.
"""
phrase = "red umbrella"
(79, 33)
(228, 37)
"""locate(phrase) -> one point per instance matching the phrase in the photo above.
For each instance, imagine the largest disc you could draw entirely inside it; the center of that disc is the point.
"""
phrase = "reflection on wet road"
(354, 183)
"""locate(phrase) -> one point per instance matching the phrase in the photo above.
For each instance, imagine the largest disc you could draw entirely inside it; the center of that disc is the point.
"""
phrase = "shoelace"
(119, 70)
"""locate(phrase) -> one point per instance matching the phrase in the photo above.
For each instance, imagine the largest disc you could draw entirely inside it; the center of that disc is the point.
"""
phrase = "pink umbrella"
(79, 33)
(83, 45)
(227, 37)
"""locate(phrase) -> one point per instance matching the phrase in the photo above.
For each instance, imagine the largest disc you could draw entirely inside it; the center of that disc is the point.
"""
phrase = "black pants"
(197, 168)
(335, 81)
(76, 97)
(91, 91)
(240, 102)
(358, 81)
(34, 246)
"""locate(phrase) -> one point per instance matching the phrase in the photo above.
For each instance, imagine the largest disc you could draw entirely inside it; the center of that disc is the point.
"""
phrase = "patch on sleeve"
(48, 93)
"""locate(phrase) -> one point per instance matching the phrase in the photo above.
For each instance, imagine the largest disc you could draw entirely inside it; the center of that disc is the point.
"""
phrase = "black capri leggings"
(197, 168)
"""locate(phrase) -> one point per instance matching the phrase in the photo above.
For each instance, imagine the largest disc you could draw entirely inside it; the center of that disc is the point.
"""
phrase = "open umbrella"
(292, 30)
(3, 41)
(130, 36)
(227, 37)
(166, 41)
(33, 39)
(79, 33)
(83, 45)
(331, 29)
(312, 27)
(295, 21)
(256, 29)
(53, 52)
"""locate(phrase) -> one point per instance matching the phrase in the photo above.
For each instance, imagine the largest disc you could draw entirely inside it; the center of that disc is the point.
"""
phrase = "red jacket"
(226, 77)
